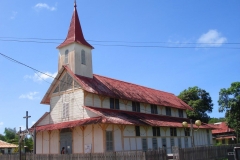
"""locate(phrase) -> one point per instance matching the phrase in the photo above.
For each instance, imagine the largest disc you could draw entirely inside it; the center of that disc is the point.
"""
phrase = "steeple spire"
(75, 31)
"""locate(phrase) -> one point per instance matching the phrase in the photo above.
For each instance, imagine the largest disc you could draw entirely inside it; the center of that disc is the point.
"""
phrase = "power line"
(36, 40)
(119, 41)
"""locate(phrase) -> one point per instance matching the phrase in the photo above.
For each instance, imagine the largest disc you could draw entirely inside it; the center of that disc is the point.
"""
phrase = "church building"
(93, 113)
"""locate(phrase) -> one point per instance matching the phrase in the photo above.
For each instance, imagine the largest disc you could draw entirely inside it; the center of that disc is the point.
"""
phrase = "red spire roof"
(75, 31)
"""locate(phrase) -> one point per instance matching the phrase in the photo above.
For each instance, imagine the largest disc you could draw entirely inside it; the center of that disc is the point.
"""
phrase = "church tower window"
(83, 57)
(66, 57)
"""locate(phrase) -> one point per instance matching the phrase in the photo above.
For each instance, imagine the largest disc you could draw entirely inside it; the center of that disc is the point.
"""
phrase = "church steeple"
(75, 33)
(75, 52)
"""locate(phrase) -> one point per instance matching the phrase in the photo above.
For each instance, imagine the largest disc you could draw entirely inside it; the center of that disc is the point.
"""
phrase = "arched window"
(83, 58)
(66, 57)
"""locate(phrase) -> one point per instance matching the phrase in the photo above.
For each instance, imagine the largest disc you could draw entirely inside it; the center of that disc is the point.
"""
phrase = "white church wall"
(117, 138)
(54, 142)
(87, 137)
(39, 140)
(75, 100)
(44, 121)
(77, 140)
(46, 142)
(98, 139)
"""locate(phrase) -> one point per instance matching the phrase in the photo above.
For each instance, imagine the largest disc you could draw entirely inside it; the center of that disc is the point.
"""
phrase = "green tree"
(11, 135)
(229, 101)
(215, 120)
(200, 101)
(2, 137)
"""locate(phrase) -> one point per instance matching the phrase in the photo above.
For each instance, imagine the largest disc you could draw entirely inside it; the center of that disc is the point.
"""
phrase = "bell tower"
(75, 52)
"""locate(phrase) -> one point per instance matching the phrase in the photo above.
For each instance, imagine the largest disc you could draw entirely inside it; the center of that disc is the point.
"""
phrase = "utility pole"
(20, 156)
(27, 119)
(192, 138)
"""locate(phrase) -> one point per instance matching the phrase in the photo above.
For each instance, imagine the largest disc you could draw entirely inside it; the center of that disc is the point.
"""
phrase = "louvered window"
(179, 143)
(144, 144)
(173, 131)
(137, 130)
(186, 142)
(168, 111)
(65, 111)
(154, 109)
(156, 131)
(114, 103)
(208, 137)
(83, 57)
(187, 131)
(180, 113)
(66, 57)
(109, 141)
(164, 142)
(154, 143)
(172, 142)
(136, 106)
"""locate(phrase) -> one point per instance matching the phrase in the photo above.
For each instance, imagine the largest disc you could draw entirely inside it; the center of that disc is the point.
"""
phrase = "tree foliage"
(215, 120)
(200, 101)
(229, 101)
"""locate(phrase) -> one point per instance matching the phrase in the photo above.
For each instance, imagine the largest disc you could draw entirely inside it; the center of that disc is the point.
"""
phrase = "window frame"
(137, 131)
(83, 57)
(168, 111)
(180, 113)
(156, 131)
(109, 141)
(187, 132)
(154, 109)
(114, 103)
(135, 106)
(66, 54)
(144, 140)
(65, 110)
(154, 143)
(173, 131)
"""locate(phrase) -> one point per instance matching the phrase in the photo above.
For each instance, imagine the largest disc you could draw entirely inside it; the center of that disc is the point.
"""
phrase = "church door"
(66, 141)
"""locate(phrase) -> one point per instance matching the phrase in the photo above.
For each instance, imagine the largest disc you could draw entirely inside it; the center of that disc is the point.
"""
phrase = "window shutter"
(116, 103)
(172, 142)
(158, 132)
(164, 142)
(137, 130)
(137, 106)
(83, 57)
(133, 106)
(144, 144)
(109, 141)
(64, 111)
(67, 110)
(111, 103)
(179, 143)
(154, 143)
(186, 142)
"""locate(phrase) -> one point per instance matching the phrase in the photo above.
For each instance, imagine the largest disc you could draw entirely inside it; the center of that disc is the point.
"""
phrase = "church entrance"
(66, 141)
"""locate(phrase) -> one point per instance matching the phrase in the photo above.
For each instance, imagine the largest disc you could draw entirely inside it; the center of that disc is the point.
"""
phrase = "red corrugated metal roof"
(221, 128)
(119, 89)
(112, 116)
(75, 33)
(69, 124)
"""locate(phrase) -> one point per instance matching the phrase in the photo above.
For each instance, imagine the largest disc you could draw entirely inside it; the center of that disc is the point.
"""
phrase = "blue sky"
(176, 23)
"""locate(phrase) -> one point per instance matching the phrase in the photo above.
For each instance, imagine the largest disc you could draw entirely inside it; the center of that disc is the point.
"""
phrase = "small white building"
(93, 113)
(7, 148)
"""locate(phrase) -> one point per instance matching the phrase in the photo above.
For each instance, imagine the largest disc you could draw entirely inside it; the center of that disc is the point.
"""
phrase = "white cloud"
(33, 122)
(14, 14)
(41, 77)
(30, 96)
(211, 38)
(1, 124)
(40, 6)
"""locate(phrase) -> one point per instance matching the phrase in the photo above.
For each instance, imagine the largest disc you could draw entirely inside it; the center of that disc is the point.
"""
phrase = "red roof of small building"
(75, 33)
(7, 145)
(221, 128)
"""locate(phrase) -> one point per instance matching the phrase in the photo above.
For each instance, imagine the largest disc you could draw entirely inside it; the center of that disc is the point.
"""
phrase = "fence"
(126, 155)
(203, 153)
